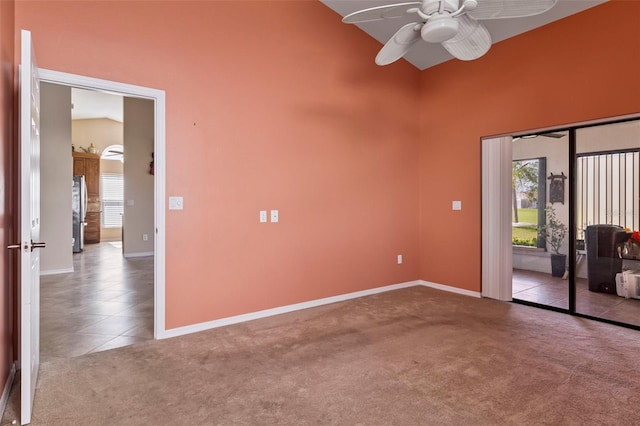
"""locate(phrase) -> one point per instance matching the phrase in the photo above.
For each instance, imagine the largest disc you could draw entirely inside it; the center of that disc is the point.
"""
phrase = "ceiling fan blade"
(553, 135)
(380, 12)
(498, 9)
(472, 41)
(547, 135)
(399, 44)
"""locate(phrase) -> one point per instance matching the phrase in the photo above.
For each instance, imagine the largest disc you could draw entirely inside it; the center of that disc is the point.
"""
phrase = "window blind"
(608, 189)
(112, 200)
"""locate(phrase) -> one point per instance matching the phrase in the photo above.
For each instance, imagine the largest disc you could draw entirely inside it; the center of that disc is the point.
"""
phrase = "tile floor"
(542, 288)
(107, 302)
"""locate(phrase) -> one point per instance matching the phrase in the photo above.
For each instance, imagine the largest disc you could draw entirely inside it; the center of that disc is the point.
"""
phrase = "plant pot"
(558, 264)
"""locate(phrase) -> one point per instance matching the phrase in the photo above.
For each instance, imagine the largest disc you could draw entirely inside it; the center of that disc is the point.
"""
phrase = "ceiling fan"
(453, 23)
(113, 152)
(547, 135)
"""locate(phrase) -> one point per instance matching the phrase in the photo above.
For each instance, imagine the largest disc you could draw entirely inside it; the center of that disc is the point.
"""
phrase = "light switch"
(129, 202)
(175, 203)
(456, 205)
(274, 216)
(263, 216)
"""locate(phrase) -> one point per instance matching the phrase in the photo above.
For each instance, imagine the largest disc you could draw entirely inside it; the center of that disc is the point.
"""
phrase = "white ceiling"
(92, 104)
(424, 55)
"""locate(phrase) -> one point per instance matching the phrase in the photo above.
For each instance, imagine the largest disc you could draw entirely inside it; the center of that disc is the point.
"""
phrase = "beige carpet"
(410, 357)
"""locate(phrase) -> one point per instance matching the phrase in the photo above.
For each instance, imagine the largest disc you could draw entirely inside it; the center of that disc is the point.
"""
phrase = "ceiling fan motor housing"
(440, 26)
(430, 7)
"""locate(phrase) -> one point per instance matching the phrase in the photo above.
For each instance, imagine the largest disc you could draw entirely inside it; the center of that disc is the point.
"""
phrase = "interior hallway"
(107, 302)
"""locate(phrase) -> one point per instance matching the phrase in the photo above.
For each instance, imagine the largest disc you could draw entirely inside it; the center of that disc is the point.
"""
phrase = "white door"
(29, 227)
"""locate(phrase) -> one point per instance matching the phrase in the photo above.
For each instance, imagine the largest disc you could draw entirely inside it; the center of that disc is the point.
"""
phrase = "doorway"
(103, 298)
(587, 210)
(157, 233)
(540, 217)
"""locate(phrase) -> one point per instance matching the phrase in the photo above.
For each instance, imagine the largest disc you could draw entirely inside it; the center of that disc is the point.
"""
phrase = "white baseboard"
(174, 332)
(194, 328)
(450, 289)
(56, 271)
(141, 254)
(7, 389)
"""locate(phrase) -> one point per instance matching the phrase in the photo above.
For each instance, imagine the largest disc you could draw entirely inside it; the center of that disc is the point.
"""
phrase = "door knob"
(37, 245)
(26, 246)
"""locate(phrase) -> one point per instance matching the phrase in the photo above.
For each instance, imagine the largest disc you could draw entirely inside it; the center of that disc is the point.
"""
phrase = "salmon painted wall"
(580, 68)
(270, 105)
(6, 217)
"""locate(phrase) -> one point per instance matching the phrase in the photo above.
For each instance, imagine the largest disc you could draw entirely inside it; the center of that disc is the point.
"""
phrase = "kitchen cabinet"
(88, 165)
(92, 228)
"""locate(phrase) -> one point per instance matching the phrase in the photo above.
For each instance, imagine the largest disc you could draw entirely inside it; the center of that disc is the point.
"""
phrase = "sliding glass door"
(576, 221)
(540, 219)
(607, 211)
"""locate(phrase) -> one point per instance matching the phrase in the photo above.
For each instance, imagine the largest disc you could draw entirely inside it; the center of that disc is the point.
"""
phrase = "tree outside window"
(528, 192)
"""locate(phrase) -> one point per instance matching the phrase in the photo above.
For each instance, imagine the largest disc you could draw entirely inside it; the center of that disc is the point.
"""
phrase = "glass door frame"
(572, 231)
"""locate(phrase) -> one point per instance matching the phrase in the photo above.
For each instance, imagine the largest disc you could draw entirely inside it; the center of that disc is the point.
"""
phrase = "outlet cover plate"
(176, 203)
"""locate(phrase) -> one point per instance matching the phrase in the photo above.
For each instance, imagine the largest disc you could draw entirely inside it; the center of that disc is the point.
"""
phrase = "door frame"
(158, 96)
(497, 259)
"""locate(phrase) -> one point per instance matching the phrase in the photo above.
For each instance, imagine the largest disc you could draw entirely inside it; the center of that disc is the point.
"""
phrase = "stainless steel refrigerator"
(79, 212)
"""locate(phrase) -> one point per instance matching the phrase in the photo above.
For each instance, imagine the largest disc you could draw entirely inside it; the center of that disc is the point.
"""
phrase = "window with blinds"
(112, 199)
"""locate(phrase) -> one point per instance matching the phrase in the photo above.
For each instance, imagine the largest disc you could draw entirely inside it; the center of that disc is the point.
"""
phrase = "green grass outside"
(526, 233)
(527, 215)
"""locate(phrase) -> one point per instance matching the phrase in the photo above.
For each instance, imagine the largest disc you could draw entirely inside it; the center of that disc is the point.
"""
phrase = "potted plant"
(554, 233)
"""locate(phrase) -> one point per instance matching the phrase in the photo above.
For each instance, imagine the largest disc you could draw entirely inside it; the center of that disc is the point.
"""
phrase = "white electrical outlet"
(399, 259)
(263, 216)
(274, 216)
(176, 203)
(145, 237)
(456, 205)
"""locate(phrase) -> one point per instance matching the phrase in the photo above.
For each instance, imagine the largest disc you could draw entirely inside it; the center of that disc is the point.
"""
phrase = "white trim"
(56, 271)
(560, 128)
(90, 83)
(203, 326)
(451, 289)
(174, 332)
(140, 254)
(158, 96)
(7, 389)
(497, 248)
